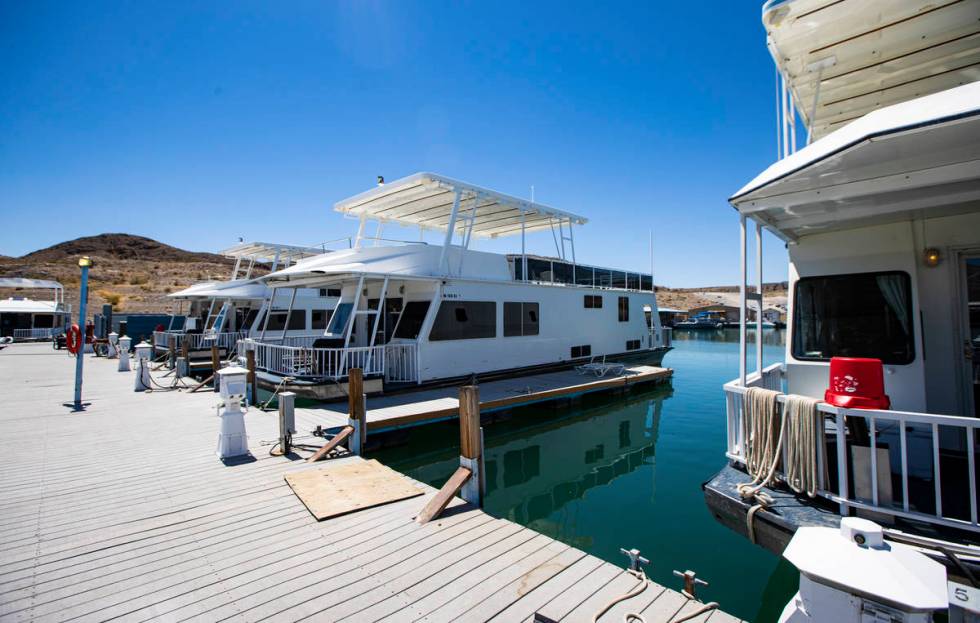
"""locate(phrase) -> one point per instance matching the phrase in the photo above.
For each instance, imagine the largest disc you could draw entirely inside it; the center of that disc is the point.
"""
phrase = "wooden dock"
(123, 511)
(412, 408)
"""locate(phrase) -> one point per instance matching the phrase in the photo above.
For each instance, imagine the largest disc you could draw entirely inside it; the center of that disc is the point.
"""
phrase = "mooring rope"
(629, 617)
(804, 433)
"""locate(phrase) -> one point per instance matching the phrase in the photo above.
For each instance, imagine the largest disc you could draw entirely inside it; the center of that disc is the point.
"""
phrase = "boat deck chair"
(600, 368)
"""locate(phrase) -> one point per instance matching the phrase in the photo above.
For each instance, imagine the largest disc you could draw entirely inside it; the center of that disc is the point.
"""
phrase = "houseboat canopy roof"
(426, 200)
(28, 306)
(240, 289)
(266, 252)
(899, 162)
(37, 284)
(846, 58)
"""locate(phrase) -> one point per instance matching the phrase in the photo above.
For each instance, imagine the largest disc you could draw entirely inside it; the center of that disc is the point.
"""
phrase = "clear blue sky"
(198, 123)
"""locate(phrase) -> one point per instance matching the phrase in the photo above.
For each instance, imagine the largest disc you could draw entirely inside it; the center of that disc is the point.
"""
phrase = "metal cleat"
(691, 582)
(635, 559)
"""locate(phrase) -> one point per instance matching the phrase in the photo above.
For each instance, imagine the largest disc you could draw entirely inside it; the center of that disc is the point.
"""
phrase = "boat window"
(603, 278)
(538, 270)
(624, 309)
(277, 321)
(646, 283)
(618, 279)
(339, 321)
(562, 272)
(581, 351)
(330, 292)
(593, 301)
(520, 319)
(464, 320)
(633, 281)
(297, 320)
(857, 315)
(318, 319)
(632, 344)
(411, 319)
(584, 275)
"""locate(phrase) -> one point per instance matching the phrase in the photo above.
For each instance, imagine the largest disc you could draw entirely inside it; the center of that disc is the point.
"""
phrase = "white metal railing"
(398, 363)
(921, 464)
(36, 334)
(197, 341)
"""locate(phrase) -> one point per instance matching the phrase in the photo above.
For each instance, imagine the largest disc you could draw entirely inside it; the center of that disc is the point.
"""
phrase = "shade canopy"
(868, 55)
(38, 284)
(892, 164)
(426, 200)
(267, 252)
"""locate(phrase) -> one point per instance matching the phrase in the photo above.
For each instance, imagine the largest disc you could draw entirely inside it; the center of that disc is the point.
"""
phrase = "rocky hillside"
(131, 272)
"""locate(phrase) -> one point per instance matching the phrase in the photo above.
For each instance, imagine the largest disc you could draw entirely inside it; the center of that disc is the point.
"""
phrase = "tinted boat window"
(520, 319)
(411, 319)
(319, 319)
(859, 315)
(297, 320)
(277, 321)
(464, 320)
(338, 324)
(538, 270)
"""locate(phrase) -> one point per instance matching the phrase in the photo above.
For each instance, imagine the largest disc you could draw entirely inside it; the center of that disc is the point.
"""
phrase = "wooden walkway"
(123, 512)
(433, 405)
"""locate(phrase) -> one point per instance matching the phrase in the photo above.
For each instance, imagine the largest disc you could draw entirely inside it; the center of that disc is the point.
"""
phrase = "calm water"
(626, 472)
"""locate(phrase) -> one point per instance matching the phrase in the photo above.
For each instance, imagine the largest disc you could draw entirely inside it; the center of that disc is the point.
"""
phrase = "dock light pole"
(85, 262)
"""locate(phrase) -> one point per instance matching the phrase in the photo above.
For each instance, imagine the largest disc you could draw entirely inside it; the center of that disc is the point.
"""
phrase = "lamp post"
(85, 263)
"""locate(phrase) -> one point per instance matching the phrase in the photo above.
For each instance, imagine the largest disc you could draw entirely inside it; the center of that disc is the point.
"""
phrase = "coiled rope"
(764, 428)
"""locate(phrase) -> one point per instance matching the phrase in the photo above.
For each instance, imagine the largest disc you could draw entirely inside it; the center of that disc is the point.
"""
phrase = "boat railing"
(36, 334)
(395, 362)
(197, 341)
(899, 464)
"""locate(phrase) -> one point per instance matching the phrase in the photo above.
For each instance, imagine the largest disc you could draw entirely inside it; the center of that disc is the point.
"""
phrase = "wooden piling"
(252, 385)
(356, 409)
(185, 349)
(171, 350)
(469, 422)
(215, 364)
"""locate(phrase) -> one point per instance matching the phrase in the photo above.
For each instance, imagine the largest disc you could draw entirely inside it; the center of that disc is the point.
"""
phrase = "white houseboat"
(22, 318)
(415, 313)
(222, 312)
(880, 212)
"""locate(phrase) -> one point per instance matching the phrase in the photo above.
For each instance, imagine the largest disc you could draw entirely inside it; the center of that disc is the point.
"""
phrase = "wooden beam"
(185, 348)
(469, 422)
(202, 383)
(250, 366)
(441, 499)
(344, 433)
(356, 409)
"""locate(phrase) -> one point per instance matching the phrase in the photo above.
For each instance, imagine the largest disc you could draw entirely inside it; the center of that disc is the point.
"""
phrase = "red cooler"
(857, 383)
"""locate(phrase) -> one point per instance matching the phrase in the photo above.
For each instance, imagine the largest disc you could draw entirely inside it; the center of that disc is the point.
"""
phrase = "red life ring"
(73, 339)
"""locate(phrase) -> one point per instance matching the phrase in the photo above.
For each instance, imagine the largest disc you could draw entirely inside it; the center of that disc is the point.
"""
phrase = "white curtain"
(892, 287)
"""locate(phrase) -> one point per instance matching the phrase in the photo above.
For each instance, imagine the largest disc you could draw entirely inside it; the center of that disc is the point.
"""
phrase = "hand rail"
(921, 463)
(394, 362)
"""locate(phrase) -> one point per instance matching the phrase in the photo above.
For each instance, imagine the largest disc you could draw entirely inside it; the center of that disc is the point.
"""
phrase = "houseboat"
(222, 312)
(412, 313)
(880, 212)
(22, 318)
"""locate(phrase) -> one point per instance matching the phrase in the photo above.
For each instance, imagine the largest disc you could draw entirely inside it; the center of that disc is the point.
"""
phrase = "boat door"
(970, 332)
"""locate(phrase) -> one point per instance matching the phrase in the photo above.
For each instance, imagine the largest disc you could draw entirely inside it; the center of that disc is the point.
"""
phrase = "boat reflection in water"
(540, 460)
(771, 336)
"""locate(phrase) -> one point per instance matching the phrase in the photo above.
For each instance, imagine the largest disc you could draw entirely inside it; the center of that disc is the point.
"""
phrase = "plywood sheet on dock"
(333, 491)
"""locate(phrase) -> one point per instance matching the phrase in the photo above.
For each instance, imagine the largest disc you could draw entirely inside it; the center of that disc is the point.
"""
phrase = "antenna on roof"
(381, 180)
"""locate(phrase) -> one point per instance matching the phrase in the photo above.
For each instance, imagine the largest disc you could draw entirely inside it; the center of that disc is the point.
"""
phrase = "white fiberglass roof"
(28, 306)
(868, 54)
(19, 282)
(240, 289)
(919, 155)
(426, 200)
(266, 252)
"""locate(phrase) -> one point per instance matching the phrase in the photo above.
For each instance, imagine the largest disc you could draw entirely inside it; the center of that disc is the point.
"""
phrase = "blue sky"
(197, 123)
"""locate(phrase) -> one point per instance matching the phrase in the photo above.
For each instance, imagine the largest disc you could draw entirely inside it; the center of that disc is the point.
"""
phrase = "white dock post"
(124, 344)
(232, 439)
(113, 345)
(471, 444)
(182, 368)
(143, 381)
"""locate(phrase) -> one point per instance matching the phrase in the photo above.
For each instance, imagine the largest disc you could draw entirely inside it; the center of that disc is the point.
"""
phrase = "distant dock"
(124, 511)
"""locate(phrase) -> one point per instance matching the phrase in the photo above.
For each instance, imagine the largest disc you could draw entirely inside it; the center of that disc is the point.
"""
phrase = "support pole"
(215, 366)
(758, 288)
(743, 317)
(253, 390)
(84, 263)
(471, 444)
(356, 410)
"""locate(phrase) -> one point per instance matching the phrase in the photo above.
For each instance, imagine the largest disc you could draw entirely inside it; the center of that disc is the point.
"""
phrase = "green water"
(626, 471)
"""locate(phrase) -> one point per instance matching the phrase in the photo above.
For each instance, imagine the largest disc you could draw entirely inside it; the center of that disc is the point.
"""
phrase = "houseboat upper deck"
(22, 318)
